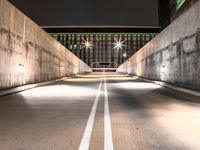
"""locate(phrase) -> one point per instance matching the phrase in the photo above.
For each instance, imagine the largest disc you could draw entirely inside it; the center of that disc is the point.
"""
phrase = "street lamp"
(118, 44)
(87, 44)
(125, 55)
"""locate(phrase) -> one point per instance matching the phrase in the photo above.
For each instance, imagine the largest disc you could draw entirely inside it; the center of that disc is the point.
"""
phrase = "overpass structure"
(51, 100)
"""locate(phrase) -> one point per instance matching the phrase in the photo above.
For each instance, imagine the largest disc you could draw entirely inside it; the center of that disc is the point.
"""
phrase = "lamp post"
(87, 44)
(118, 45)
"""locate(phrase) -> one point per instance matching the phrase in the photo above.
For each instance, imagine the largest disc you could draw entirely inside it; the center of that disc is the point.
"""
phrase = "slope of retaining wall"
(28, 54)
(173, 56)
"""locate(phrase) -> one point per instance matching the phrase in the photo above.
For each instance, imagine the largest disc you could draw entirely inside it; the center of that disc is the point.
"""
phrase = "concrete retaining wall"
(173, 56)
(28, 54)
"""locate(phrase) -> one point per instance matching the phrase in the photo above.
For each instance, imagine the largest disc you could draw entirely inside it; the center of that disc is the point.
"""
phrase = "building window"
(102, 49)
(179, 3)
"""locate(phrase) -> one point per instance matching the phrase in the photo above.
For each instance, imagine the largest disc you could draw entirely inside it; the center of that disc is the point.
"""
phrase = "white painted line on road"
(85, 142)
(108, 142)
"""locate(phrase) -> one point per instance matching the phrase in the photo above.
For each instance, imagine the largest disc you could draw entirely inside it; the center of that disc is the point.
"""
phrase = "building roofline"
(100, 26)
(101, 29)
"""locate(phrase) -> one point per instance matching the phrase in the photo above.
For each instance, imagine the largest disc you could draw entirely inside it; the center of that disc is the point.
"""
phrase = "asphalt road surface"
(100, 112)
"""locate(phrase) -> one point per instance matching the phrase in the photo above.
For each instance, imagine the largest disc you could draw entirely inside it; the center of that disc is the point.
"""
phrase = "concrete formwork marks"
(173, 56)
(28, 54)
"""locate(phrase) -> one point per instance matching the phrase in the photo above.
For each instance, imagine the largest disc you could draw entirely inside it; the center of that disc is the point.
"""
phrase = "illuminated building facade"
(174, 8)
(101, 53)
(169, 10)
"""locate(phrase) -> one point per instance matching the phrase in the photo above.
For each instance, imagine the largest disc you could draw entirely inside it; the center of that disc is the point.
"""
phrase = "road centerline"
(108, 142)
(85, 142)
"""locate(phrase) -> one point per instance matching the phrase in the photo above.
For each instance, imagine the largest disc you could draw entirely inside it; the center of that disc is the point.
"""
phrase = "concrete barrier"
(30, 55)
(173, 56)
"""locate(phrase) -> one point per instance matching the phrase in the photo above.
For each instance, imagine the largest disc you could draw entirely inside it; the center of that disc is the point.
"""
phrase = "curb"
(29, 86)
(188, 91)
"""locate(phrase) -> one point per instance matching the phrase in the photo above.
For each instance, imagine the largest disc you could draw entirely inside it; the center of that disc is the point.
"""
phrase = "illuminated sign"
(179, 3)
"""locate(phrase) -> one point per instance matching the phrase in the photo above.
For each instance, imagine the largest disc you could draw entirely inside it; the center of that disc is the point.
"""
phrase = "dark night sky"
(90, 12)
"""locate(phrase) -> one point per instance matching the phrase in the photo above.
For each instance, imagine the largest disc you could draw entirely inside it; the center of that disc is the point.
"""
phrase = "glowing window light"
(124, 55)
(179, 3)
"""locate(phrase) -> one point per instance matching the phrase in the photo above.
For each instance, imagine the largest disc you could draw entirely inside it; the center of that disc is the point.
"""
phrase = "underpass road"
(140, 116)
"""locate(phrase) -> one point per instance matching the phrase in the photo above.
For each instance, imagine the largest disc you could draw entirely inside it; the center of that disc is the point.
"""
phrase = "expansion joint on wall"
(198, 39)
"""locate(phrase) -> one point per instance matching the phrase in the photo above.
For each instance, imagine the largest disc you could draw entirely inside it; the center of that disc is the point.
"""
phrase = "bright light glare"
(87, 44)
(118, 44)
(59, 91)
(139, 85)
(124, 55)
(182, 121)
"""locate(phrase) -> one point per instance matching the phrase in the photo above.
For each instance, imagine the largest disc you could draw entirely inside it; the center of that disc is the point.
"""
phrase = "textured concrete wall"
(173, 56)
(23, 43)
